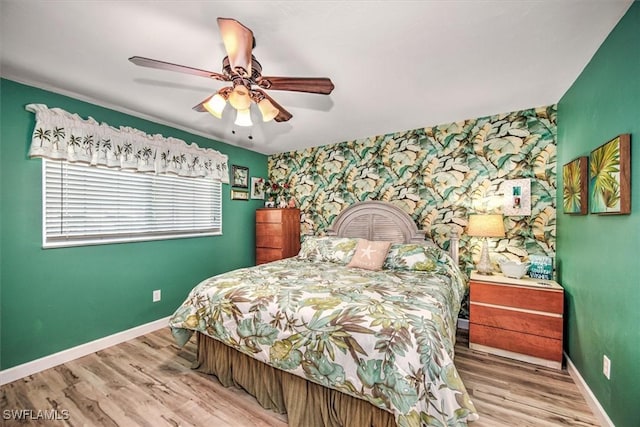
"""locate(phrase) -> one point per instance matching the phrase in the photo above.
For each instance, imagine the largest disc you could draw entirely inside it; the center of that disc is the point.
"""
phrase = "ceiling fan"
(242, 69)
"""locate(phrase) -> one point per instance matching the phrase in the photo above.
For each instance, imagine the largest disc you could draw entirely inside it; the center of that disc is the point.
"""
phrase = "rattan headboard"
(376, 220)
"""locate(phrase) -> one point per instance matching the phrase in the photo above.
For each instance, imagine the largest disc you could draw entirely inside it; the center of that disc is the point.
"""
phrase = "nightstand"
(517, 318)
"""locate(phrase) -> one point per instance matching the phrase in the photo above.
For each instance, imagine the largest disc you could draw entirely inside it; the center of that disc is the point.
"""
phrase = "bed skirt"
(306, 404)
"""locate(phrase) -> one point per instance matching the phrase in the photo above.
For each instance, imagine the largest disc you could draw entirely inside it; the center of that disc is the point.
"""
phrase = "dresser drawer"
(516, 342)
(264, 255)
(269, 236)
(549, 326)
(269, 215)
(517, 296)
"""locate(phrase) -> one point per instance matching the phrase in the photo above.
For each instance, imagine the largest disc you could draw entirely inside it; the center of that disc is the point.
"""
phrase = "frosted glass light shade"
(239, 98)
(243, 118)
(215, 105)
(269, 112)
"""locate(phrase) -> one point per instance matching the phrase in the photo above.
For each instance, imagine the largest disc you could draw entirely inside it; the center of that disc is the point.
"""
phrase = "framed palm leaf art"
(610, 177)
(574, 191)
(239, 176)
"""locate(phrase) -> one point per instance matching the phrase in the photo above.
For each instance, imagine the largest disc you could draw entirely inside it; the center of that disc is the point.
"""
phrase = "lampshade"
(243, 118)
(239, 98)
(215, 105)
(485, 226)
(269, 112)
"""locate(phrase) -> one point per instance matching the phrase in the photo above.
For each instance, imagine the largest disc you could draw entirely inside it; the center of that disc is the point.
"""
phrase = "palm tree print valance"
(60, 135)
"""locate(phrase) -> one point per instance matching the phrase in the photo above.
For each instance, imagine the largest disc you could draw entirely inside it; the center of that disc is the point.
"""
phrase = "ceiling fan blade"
(162, 65)
(283, 115)
(238, 42)
(321, 85)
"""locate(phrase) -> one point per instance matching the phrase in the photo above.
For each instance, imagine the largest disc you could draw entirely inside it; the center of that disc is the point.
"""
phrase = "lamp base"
(484, 266)
(485, 273)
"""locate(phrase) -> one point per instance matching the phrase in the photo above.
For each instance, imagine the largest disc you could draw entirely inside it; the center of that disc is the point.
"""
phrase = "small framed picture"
(517, 197)
(239, 194)
(257, 188)
(239, 176)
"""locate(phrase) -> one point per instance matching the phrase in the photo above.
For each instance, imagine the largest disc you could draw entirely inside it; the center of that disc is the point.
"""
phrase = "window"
(87, 205)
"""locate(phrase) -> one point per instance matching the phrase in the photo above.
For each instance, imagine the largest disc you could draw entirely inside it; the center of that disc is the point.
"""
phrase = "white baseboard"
(588, 395)
(64, 356)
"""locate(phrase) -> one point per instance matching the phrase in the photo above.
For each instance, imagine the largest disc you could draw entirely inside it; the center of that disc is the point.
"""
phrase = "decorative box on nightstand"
(517, 318)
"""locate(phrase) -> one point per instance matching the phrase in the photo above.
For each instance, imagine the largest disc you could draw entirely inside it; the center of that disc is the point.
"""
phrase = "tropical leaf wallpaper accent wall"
(439, 175)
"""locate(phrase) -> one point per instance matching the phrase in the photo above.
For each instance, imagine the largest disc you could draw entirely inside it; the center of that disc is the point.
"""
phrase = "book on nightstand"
(541, 267)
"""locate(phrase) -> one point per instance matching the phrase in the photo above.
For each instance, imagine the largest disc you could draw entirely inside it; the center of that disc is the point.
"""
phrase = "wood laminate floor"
(148, 382)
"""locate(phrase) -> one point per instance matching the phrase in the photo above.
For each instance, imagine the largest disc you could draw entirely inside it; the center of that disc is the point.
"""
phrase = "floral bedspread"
(383, 336)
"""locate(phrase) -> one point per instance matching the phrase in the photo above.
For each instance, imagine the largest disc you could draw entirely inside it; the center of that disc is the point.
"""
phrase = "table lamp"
(485, 226)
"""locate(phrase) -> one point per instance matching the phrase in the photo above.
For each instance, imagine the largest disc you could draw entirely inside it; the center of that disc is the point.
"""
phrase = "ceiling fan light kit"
(243, 118)
(242, 69)
(239, 97)
(216, 104)
(268, 111)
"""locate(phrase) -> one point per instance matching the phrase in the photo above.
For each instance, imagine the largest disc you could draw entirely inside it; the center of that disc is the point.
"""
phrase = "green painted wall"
(598, 255)
(55, 299)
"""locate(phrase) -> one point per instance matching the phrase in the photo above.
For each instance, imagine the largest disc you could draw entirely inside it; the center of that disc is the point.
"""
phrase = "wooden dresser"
(277, 234)
(517, 318)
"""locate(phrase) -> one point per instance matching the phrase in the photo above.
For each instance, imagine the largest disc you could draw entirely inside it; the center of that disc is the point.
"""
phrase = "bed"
(334, 345)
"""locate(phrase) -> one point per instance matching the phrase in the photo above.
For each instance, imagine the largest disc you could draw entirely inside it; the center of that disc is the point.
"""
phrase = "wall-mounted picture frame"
(257, 188)
(239, 194)
(517, 197)
(239, 176)
(610, 177)
(575, 199)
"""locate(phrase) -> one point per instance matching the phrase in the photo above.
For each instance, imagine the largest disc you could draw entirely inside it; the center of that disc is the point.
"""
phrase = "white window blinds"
(84, 205)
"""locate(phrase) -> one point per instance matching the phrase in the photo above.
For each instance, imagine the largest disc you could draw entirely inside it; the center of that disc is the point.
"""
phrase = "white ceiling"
(396, 65)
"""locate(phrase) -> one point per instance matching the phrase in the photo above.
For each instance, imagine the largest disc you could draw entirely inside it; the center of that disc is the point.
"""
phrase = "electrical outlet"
(157, 295)
(606, 366)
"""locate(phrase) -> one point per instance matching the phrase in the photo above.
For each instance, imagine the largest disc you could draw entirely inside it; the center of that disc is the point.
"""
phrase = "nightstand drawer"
(516, 342)
(544, 325)
(518, 297)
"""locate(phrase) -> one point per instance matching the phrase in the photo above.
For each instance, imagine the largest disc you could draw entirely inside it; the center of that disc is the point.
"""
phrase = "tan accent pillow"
(370, 255)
